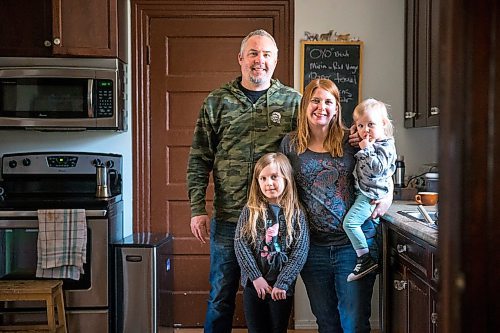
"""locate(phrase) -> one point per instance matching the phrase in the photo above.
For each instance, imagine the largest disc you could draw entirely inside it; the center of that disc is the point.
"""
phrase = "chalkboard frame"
(304, 72)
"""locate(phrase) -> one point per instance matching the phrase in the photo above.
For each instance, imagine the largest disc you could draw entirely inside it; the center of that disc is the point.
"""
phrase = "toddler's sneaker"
(364, 265)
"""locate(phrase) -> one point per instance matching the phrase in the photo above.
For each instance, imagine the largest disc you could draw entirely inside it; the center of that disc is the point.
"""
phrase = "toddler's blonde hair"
(378, 106)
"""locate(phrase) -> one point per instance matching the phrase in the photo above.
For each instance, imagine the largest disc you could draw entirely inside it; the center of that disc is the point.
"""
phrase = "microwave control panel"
(104, 94)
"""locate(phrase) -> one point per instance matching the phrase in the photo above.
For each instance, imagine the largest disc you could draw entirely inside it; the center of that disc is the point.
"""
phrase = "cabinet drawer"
(414, 253)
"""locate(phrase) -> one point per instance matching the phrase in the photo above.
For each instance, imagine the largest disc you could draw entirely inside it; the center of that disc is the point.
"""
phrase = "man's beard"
(258, 80)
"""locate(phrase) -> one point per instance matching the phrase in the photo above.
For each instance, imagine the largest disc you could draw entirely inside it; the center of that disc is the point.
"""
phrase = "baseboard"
(305, 324)
(375, 324)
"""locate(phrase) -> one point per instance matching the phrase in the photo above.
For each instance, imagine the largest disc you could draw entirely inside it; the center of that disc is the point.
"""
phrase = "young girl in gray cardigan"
(271, 245)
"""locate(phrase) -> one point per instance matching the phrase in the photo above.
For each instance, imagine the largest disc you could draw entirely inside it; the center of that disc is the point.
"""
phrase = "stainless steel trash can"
(143, 283)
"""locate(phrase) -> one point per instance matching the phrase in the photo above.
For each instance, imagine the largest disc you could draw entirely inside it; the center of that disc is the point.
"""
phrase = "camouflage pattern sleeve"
(200, 163)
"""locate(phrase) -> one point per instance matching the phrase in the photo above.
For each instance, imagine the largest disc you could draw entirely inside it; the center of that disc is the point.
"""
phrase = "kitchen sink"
(416, 216)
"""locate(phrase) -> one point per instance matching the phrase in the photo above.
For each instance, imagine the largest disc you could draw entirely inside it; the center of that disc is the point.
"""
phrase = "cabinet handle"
(409, 115)
(47, 43)
(434, 111)
(57, 41)
(401, 248)
(434, 318)
(435, 274)
(400, 285)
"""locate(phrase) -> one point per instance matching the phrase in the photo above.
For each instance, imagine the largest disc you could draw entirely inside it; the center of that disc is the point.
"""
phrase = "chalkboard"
(339, 62)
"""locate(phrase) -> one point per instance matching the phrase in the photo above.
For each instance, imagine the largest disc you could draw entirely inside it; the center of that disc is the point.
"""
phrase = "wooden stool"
(49, 291)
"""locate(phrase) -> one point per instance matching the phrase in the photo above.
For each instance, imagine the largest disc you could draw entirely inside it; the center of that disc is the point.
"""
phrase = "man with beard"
(238, 123)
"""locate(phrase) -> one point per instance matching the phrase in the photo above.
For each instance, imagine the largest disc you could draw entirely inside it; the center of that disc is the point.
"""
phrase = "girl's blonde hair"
(258, 203)
(372, 104)
(334, 139)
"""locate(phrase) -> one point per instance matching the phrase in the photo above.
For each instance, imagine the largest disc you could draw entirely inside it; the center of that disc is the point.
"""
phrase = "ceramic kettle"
(103, 188)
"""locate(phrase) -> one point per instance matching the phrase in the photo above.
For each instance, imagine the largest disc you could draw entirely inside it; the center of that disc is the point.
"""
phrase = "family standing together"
(286, 173)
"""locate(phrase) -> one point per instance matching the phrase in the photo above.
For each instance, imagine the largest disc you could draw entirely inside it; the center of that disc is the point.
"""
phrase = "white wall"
(380, 25)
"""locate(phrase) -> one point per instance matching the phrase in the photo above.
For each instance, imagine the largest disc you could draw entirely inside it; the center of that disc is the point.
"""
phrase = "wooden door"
(469, 164)
(183, 52)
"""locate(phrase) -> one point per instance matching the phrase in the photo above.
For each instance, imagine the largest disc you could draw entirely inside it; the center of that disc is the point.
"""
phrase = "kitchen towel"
(62, 243)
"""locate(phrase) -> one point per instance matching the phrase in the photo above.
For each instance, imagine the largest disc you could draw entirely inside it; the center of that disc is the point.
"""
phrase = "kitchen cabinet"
(421, 63)
(63, 28)
(409, 282)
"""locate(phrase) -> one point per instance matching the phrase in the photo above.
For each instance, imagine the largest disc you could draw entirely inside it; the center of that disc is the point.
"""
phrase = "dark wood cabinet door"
(418, 304)
(92, 28)
(422, 63)
(409, 289)
(26, 28)
(410, 61)
(85, 28)
(433, 107)
(397, 296)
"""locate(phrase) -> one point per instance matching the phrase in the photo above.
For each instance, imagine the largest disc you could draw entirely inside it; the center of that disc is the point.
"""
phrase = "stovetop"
(57, 180)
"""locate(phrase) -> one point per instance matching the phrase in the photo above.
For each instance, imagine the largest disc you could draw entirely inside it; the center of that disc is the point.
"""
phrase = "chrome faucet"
(425, 214)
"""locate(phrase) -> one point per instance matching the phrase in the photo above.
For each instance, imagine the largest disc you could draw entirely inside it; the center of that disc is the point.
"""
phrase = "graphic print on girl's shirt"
(272, 259)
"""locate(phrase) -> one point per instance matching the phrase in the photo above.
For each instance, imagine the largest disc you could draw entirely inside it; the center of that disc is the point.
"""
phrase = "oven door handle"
(33, 213)
(19, 224)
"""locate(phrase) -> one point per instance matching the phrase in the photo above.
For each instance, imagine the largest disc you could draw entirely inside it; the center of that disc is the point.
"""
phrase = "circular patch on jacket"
(276, 117)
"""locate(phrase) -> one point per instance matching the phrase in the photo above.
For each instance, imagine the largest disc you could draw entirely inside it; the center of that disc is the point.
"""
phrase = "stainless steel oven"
(33, 181)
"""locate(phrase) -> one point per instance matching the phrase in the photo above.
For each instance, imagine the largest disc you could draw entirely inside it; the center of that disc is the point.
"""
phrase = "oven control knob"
(26, 162)
(12, 163)
(110, 164)
(96, 162)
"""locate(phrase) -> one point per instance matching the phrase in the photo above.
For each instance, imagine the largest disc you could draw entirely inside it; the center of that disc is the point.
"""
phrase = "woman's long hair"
(258, 203)
(336, 130)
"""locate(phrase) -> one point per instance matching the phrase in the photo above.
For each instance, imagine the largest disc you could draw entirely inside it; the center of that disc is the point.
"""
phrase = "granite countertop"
(418, 229)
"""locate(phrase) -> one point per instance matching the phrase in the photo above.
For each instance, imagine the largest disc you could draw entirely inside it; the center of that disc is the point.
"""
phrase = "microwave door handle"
(90, 101)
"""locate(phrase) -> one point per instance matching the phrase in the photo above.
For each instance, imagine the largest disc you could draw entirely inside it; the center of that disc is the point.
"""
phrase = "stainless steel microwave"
(63, 94)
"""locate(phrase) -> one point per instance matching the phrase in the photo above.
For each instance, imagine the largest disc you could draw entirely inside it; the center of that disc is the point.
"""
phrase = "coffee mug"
(426, 198)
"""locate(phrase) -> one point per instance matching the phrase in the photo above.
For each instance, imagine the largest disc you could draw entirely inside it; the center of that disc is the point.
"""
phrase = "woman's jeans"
(266, 315)
(339, 306)
(224, 278)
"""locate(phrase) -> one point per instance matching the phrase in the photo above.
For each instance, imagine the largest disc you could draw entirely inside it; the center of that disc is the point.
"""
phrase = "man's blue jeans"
(339, 306)
(224, 278)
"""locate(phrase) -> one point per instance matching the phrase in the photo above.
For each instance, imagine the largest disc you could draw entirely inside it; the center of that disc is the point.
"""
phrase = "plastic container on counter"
(432, 182)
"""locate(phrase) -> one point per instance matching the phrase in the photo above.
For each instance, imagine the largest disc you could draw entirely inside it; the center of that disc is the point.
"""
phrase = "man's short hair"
(259, 32)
